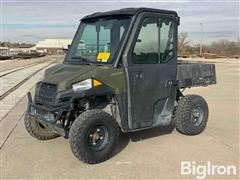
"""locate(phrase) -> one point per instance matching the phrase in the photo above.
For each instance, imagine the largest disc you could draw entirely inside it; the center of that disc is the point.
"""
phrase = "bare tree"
(225, 47)
(182, 43)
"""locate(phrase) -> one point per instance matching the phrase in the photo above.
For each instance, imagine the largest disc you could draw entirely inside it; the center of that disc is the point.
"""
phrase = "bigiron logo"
(201, 171)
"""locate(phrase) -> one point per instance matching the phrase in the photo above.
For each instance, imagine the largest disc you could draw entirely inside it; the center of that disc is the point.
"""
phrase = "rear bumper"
(47, 116)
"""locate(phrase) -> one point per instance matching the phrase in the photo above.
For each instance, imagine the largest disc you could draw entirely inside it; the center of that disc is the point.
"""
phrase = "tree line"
(221, 47)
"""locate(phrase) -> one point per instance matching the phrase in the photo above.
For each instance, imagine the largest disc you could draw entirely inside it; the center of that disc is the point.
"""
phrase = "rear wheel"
(191, 115)
(38, 130)
(93, 136)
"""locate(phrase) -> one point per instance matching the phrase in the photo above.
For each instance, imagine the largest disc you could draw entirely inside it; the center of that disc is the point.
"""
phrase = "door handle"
(139, 75)
(171, 83)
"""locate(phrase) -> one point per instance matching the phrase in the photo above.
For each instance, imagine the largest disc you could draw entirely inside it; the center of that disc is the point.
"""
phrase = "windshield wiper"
(82, 59)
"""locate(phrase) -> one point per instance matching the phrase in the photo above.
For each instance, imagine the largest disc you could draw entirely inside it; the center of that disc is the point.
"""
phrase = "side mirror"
(69, 46)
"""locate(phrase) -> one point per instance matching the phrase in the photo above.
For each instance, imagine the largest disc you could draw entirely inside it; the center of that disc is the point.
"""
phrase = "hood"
(64, 75)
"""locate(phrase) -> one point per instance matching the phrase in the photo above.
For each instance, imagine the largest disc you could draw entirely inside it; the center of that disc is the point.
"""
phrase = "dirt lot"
(152, 154)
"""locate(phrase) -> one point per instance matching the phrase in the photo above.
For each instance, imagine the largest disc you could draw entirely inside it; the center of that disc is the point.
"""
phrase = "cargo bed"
(192, 75)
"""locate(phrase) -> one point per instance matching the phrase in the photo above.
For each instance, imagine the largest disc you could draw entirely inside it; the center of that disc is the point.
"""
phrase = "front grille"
(46, 94)
(47, 90)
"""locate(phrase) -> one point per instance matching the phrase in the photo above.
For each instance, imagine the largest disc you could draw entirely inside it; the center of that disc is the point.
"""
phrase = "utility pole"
(201, 24)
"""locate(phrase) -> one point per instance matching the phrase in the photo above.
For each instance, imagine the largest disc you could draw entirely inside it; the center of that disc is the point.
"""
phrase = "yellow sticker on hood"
(103, 56)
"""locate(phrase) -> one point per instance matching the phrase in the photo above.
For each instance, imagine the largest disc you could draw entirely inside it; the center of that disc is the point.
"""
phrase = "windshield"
(97, 41)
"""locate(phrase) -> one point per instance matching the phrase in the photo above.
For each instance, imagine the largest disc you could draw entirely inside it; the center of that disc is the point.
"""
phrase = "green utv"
(119, 74)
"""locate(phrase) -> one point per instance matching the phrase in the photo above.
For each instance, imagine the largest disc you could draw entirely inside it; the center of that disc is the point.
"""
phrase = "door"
(151, 72)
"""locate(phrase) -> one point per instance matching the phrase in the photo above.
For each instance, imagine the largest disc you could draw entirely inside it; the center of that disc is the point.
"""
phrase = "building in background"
(53, 46)
(23, 48)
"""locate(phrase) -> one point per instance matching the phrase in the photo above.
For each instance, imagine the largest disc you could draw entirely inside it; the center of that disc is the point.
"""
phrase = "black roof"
(127, 11)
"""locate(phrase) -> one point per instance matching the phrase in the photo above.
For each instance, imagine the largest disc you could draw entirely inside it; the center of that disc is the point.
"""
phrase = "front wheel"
(93, 136)
(38, 130)
(191, 115)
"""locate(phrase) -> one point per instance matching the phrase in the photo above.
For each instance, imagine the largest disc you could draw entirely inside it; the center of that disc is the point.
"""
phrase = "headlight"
(86, 84)
(83, 85)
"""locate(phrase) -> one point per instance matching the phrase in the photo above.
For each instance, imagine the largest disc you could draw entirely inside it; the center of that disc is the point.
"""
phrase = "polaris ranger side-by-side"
(119, 74)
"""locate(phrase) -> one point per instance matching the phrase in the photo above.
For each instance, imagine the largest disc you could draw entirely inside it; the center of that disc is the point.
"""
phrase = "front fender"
(96, 91)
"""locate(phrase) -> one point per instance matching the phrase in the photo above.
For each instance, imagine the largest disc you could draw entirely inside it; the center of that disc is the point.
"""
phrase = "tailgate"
(190, 75)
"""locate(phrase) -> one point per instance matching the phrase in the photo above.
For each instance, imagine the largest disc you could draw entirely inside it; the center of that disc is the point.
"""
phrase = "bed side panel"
(192, 75)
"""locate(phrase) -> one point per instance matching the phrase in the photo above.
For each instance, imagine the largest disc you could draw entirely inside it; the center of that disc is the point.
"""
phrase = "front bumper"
(47, 116)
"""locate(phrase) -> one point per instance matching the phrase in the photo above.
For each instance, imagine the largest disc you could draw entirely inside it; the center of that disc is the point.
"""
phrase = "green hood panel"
(64, 75)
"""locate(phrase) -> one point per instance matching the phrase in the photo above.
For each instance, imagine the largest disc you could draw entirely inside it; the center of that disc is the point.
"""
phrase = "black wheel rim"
(97, 137)
(197, 115)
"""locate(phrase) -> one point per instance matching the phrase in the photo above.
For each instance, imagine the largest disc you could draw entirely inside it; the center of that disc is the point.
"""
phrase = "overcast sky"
(31, 21)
